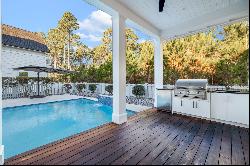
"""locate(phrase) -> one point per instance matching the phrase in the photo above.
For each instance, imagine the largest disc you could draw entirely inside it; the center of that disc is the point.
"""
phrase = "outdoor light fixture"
(161, 5)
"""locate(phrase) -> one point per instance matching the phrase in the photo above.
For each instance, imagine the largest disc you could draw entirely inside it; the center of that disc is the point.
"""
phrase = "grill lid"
(191, 84)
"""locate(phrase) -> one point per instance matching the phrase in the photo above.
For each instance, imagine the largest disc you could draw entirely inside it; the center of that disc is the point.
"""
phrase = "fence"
(100, 89)
(21, 91)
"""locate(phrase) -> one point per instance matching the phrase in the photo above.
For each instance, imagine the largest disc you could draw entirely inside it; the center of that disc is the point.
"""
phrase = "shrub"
(22, 80)
(23, 74)
(80, 87)
(46, 80)
(92, 87)
(138, 90)
(109, 89)
(68, 87)
(12, 82)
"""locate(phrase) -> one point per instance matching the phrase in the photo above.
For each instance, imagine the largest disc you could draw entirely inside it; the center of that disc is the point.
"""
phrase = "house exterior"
(22, 48)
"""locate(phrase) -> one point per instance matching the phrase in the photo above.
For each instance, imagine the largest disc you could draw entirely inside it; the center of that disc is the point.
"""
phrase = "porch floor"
(150, 137)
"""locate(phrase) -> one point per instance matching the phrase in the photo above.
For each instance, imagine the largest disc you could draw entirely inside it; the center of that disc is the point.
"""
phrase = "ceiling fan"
(161, 5)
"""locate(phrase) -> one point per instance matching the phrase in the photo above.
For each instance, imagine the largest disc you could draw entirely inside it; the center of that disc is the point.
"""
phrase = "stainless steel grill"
(191, 88)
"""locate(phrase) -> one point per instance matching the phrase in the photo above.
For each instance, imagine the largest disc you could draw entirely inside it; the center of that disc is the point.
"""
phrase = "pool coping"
(131, 107)
(73, 97)
(90, 99)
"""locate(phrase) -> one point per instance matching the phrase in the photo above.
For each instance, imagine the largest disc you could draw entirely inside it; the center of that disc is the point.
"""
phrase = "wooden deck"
(151, 137)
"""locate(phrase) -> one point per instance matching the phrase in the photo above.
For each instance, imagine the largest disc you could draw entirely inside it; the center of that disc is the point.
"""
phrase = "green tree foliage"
(146, 62)
(203, 55)
(233, 72)
(55, 44)
(62, 39)
(82, 53)
(67, 24)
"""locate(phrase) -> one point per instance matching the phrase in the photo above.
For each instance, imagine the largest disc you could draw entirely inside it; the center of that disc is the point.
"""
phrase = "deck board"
(151, 137)
(245, 143)
(200, 157)
(225, 151)
(187, 157)
(125, 157)
(237, 148)
(214, 150)
(158, 131)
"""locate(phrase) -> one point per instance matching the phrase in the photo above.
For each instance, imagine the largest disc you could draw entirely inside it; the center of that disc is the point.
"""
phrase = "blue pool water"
(28, 127)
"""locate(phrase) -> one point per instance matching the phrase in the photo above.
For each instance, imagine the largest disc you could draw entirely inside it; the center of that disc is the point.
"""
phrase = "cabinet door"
(202, 108)
(190, 107)
(219, 106)
(178, 105)
(238, 108)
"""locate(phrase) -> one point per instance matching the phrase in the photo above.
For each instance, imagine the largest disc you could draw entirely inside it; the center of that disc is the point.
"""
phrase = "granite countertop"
(232, 92)
(165, 88)
(209, 91)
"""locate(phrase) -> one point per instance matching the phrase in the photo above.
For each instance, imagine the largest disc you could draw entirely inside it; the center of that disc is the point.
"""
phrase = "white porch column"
(119, 115)
(158, 68)
(1, 131)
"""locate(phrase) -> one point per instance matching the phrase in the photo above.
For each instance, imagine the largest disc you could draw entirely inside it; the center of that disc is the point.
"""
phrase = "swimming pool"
(28, 127)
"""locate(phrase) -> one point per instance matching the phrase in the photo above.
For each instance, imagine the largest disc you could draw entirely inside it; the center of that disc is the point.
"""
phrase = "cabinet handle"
(193, 104)
(196, 104)
(181, 102)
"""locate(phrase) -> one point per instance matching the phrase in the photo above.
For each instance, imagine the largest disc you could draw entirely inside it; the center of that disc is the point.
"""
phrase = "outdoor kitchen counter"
(164, 98)
(230, 107)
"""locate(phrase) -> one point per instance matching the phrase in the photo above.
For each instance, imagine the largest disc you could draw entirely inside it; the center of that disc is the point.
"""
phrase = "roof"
(179, 17)
(21, 38)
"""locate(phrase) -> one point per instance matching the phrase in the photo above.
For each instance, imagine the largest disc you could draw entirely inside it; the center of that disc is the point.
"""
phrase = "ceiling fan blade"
(161, 5)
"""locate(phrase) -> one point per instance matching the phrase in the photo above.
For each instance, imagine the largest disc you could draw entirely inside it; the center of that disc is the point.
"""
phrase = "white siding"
(17, 57)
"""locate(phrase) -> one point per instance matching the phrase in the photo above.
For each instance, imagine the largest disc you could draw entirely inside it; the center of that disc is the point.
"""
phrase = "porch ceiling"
(179, 17)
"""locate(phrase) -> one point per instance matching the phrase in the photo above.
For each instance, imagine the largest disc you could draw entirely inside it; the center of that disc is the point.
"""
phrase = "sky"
(42, 15)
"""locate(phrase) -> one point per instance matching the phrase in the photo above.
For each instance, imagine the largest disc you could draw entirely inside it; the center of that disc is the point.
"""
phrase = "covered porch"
(178, 19)
(153, 136)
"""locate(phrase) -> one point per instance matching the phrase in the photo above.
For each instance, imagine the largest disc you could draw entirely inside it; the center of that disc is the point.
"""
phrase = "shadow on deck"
(150, 137)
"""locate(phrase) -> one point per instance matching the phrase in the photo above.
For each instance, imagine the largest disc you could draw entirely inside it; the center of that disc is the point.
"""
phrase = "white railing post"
(87, 87)
(146, 90)
(103, 85)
